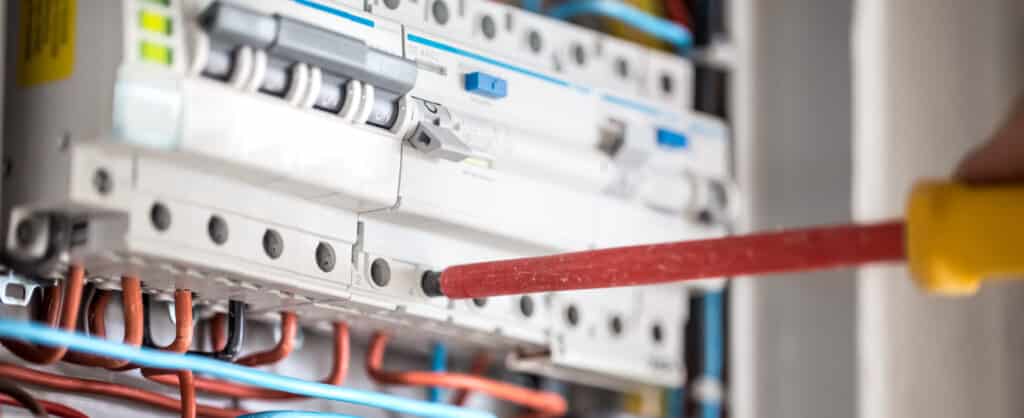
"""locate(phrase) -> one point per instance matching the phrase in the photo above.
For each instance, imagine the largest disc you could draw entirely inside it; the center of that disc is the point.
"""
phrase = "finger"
(1001, 159)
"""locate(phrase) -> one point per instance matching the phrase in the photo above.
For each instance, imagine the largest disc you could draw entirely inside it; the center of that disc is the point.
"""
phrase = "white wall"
(792, 337)
(932, 79)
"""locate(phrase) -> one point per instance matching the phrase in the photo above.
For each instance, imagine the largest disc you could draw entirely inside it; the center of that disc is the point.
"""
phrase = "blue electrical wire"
(665, 30)
(714, 333)
(674, 402)
(532, 5)
(710, 410)
(438, 363)
(41, 334)
(294, 414)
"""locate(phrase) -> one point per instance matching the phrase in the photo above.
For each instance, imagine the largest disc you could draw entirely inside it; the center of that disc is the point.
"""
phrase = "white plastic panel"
(537, 184)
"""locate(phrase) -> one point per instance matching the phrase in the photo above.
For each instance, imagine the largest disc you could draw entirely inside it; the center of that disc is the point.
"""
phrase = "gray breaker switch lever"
(435, 133)
(292, 40)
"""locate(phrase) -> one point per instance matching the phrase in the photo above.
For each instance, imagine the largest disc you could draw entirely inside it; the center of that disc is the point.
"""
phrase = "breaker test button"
(486, 85)
(671, 139)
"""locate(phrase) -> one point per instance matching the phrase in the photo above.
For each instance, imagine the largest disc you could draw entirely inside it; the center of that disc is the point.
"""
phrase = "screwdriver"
(953, 236)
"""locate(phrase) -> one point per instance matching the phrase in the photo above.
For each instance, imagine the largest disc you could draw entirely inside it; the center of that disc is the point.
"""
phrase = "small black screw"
(325, 257)
(160, 216)
(622, 67)
(572, 315)
(217, 228)
(534, 40)
(25, 232)
(488, 27)
(380, 272)
(480, 302)
(656, 333)
(667, 85)
(273, 244)
(616, 325)
(102, 181)
(579, 54)
(705, 217)
(440, 11)
(526, 306)
(392, 4)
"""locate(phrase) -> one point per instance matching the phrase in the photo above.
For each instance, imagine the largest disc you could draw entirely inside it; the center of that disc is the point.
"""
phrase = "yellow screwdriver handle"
(958, 235)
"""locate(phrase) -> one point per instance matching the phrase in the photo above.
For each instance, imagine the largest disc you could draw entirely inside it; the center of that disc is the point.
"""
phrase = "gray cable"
(22, 396)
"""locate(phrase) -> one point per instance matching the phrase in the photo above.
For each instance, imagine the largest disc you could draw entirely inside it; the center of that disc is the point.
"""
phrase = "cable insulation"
(481, 362)
(289, 327)
(438, 363)
(294, 414)
(657, 27)
(131, 302)
(546, 403)
(22, 397)
(68, 307)
(187, 387)
(145, 357)
(223, 388)
(56, 409)
(96, 387)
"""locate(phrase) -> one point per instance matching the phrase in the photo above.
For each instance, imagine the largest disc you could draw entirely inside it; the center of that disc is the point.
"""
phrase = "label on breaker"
(46, 41)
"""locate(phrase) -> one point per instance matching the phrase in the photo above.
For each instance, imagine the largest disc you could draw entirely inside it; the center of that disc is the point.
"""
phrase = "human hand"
(1001, 159)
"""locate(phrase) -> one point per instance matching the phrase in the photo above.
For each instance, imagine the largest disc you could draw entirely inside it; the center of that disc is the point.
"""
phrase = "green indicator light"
(154, 52)
(154, 22)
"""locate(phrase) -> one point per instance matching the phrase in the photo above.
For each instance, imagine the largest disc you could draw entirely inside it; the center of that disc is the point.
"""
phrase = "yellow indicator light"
(155, 22)
(154, 52)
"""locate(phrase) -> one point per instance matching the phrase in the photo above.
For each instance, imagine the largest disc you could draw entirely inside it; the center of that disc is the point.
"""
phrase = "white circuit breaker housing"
(319, 156)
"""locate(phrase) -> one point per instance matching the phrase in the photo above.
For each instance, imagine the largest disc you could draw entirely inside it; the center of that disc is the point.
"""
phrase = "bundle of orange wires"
(545, 404)
(64, 313)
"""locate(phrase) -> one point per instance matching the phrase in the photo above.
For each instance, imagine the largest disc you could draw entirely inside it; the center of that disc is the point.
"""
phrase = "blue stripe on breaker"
(459, 51)
(530, 73)
(630, 104)
(337, 12)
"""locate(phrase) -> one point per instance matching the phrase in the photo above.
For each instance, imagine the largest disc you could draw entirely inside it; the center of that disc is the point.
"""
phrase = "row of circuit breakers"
(318, 157)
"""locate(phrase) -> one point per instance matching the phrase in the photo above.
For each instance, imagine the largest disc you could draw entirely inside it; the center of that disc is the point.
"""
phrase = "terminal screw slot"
(273, 244)
(325, 258)
(380, 272)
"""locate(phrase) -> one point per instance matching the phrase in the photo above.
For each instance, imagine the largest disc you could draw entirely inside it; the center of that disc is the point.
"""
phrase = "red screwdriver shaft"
(768, 252)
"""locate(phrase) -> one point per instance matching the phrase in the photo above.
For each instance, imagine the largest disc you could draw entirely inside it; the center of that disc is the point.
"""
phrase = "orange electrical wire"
(186, 382)
(678, 12)
(481, 361)
(68, 308)
(289, 327)
(97, 315)
(545, 403)
(182, 341)
(53, 408)
(182, 321)
(218, 339)
(182, 325)
(95, 387)
(219, 387)
(131, 300)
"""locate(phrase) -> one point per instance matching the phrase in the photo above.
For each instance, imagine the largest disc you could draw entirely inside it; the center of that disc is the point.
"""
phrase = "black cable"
(85, 311)
(22, 396)
(236, 332)
(147, 331)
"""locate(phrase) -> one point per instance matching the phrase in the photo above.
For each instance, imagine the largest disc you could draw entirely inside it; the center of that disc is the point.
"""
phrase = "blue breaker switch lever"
(486, 85)
(671, 139)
